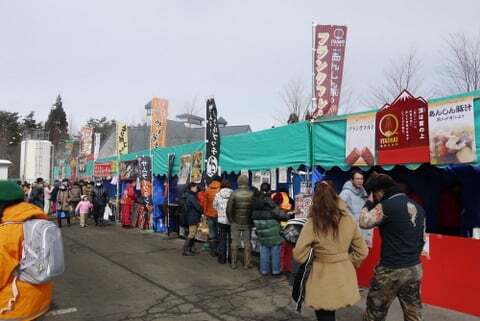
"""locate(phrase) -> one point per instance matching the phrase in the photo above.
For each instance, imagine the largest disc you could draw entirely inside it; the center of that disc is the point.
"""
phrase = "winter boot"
(213, 248)
(186, 248)
(191, 246)
(247, 258)
(234, 258)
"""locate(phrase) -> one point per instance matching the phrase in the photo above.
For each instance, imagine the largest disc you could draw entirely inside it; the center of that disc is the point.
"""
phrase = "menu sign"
(452, 132)
(402, 131)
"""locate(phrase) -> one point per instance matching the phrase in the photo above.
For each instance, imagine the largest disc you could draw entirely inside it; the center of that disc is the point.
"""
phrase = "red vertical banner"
(329, 47)
(402, 131)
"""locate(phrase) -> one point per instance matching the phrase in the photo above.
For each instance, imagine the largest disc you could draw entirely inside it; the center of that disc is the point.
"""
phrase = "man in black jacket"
(401, 222)
(99, 200)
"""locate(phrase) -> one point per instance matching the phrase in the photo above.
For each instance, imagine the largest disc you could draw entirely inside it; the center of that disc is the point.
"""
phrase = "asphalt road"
(119, 275)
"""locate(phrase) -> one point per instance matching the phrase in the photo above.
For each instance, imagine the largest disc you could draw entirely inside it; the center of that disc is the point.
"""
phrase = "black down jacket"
(99, 196)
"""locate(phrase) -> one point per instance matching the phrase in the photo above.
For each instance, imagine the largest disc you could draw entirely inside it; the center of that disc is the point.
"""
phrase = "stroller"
(292, 230)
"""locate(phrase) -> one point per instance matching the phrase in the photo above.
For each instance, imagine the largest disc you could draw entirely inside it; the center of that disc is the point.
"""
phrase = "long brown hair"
(325, 213)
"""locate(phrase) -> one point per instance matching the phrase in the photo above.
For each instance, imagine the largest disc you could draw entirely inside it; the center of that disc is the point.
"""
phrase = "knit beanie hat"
(10, 192)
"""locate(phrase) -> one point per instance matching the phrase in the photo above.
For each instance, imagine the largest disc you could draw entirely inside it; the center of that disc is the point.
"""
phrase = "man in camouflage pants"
(402, 224)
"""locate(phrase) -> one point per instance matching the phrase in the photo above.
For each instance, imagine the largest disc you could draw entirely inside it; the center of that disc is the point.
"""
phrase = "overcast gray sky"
(110, 57)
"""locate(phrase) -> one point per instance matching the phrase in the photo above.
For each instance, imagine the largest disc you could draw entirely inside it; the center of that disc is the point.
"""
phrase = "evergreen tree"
(10, 139)
(57, 125)
(29, 123)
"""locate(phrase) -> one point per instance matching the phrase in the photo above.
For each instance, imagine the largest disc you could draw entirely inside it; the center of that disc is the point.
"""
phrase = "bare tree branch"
(402, 73)
(295, 98)
(461, 68)
(192, 107)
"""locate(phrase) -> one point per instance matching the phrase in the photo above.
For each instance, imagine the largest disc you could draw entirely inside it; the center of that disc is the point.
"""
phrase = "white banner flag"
(96, 149)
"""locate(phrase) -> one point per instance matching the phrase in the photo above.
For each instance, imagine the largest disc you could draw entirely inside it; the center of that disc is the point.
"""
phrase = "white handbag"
(107, 213)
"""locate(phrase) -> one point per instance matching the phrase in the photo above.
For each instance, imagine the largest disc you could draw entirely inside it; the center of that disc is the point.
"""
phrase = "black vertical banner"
(146, 189)
(145, 173)
(212, 155)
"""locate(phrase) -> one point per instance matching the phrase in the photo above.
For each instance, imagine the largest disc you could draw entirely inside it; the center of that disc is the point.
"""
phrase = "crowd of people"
(64, 199)
(334, 233)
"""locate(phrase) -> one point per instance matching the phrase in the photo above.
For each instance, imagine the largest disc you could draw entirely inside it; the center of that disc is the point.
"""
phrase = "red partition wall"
(451, 272)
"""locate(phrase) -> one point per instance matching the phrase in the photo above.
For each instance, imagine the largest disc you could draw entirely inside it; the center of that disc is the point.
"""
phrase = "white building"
(4, 168)
(35, 160)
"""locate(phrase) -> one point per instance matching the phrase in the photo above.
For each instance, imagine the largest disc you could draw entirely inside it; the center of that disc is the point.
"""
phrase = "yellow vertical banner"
(122, 138)
(158, 129)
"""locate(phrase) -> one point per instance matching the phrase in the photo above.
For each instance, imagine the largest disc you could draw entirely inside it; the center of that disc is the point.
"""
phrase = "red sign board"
(328, 67)
(402, 131)
(103, 170)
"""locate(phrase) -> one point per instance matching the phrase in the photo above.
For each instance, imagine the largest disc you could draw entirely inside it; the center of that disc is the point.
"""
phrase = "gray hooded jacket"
(354, 197)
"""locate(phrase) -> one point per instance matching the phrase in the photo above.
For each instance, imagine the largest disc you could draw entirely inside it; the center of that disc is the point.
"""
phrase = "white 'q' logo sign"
(212, 166)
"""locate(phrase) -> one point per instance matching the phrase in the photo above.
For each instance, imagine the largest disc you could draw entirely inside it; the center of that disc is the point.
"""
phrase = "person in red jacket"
(211, 214)
(127, 201)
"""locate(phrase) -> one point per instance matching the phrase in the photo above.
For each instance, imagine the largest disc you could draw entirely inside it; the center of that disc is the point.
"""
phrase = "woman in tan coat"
(338, 249)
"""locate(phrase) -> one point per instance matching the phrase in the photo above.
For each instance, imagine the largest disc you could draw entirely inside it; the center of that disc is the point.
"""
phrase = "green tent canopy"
(286, 146)
(321, 143)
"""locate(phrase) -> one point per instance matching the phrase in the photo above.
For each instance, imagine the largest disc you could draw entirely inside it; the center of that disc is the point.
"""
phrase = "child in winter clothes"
(83, 208)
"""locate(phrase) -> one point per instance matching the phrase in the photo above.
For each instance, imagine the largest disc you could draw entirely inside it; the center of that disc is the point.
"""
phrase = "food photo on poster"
(452, 132)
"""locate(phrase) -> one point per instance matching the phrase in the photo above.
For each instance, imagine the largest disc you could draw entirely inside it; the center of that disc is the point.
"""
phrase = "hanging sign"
(360, 140)
(212, 156)
(273, 180)
(329, 47)
(282, 175)
(128, 170)
(452, 132)
(185, 169)
(196, 175)
(402, 131)
(303, 203)
(257, 179)
(102, 170)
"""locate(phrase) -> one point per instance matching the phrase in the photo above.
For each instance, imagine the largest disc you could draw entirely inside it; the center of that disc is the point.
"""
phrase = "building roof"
(178, 133)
